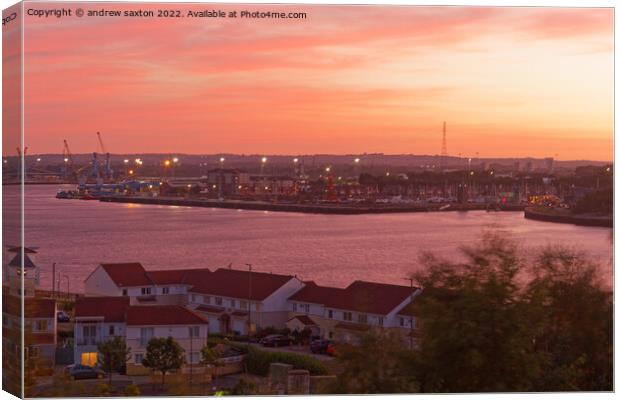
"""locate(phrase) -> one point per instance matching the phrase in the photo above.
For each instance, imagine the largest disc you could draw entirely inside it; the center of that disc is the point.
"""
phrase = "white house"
(231, 298)
(344, 313)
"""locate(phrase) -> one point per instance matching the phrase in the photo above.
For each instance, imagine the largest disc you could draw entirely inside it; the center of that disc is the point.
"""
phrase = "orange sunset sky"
(510, 82)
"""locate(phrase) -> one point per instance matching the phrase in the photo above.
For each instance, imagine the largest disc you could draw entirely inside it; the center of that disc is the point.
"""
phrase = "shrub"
(258, 361)
(131, 390)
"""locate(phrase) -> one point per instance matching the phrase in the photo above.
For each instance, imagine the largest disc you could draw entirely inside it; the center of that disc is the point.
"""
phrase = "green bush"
(258, 361)
(131, 390)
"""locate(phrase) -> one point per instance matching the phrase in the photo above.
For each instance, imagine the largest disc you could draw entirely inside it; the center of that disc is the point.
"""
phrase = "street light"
(38, 159)
(175, 160)
(222, 159)
(357, 161)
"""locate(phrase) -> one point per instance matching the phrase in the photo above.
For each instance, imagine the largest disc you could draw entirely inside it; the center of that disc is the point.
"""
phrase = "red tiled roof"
(33, 307)
(236, 284)
(360, 296)
(162, 315)
(112, 309)
(127, 274)
(370, 297)
(177, 276)
(304, 319)
(313, 293)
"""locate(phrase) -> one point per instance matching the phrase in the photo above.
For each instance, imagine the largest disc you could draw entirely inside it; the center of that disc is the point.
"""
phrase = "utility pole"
(411, 316)
(249, 300)
(53, 280)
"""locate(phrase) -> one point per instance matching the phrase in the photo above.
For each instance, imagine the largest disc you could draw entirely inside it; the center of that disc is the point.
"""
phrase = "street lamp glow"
(328, 169)
(387, 174)
(175, 160)
(222, 159)
(263, 160)
(357, 160)
(126, 161)
(167, 163)
(38, 159)
(295, 160)
(131, 172)
(66, 160)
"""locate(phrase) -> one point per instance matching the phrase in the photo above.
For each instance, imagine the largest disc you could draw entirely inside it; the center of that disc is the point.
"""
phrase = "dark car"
(319, 346)
(276, 341)
(62, 316)
(79, 371)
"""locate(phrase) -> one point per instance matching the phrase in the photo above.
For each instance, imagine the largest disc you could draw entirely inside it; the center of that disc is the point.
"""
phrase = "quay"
(582, 220)
(311, 208)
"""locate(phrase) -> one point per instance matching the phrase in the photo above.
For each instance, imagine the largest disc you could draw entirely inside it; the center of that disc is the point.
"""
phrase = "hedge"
(258, 361)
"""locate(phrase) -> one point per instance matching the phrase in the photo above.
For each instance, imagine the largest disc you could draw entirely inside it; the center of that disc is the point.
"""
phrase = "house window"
(243, 305)
(111, 330)
(33, 351)
(380, 321)
(347, 316)
(330, 314)
(295, 307)
(165, 290)
(41, 325)
(362, 318)
(401, 321)
(89, 334)
(305, 307)
(124, 292)
(138, 358)
(194, 331)
(145, 290)
(233, 303)
(146, 334)
(218, 301)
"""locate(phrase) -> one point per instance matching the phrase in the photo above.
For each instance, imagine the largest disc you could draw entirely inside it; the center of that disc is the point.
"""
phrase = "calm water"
(331, 249)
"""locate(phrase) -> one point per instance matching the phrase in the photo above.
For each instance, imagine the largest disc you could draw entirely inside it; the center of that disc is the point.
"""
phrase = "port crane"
(108, 170)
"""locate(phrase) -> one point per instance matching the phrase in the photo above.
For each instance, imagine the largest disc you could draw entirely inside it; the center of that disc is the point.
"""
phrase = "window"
(41, 325)
(89, 334)
(111, 330)
(362, 318)
(208, 299)
(380, 321)
(330, 314)
(347, 316)
(33, 351)
(305, 308)
(138, 358)
(194, 331)
(165, 290)
(218, 301)
(145, 290)
(146, 334)
(243, 305)
(295, 307)
(233, 303)
(401, 321)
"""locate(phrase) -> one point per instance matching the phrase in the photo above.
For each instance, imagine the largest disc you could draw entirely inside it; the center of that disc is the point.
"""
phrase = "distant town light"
(328, 169)
(66, 160)
(38, 159)
(6, 161)
(471, 172)
(295, 160)
(131, 172)
(189, 186)
(240, 187)
(608, 169)
(167, 163)
(357, 160)
(175, 160)
(214, 186)
(150, 186)
(266, 187)
(263, 160)
(387, 174)
(126, 161)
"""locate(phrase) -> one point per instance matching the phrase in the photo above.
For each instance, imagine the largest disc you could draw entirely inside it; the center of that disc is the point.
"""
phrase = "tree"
(114, 354)
(163, 355)
(503, 321)
(379, 364)
(210, 356)
(476, 335)
(576, 310)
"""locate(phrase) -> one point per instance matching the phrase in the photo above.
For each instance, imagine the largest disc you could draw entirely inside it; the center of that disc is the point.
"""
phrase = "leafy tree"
(379, 364)
(114, 354)
(575, 309)
(210, 356)
(475, 334)
(163, 355)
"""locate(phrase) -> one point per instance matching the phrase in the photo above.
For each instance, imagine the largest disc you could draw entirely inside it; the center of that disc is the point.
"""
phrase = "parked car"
(319, 346)
(79, 371)
(331, 350)
(62, 316)
(276, 341)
